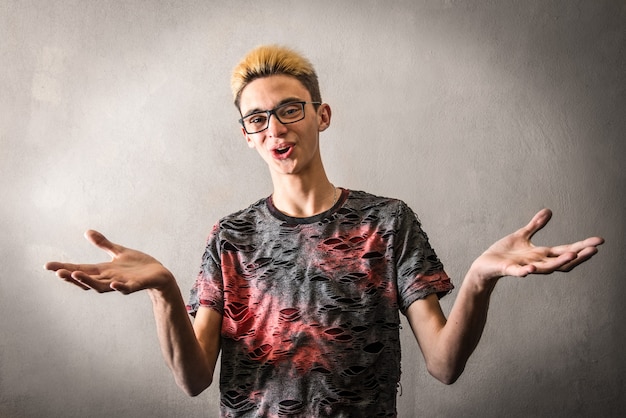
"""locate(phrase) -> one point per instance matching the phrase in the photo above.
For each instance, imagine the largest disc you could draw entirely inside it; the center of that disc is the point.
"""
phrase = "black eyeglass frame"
(271, 112)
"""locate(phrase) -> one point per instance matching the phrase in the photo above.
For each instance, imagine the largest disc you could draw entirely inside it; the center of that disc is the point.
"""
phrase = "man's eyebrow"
(282, 102)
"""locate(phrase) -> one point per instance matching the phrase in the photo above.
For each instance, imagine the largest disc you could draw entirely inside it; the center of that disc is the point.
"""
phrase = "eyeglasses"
(286, 113)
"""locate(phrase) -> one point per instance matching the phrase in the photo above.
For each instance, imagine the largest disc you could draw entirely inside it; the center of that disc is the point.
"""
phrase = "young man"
(302, 291)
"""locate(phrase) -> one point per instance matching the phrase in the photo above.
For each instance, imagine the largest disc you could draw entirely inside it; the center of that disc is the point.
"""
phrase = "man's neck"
(299, 198)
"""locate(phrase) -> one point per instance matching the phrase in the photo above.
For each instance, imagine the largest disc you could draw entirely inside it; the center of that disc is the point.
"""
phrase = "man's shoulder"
(365, 200)
(256, 209)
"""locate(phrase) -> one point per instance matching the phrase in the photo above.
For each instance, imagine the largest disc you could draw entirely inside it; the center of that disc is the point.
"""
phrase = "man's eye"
(256, 119)
(290, 111)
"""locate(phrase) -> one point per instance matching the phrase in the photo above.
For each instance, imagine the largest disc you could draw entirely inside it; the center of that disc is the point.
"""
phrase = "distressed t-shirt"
(311, 306)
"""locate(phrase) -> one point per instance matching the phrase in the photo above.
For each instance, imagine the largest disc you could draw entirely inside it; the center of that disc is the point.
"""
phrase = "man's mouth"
(282, 151)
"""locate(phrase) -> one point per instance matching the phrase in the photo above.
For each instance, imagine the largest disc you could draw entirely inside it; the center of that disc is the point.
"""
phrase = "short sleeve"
(208, 289)
(419, 270)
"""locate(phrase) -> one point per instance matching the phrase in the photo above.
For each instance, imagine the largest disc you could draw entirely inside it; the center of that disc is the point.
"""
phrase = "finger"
(93, 282)
(577, 247)
(76, 283)
(121, 287)
(552, 264)
(55, 265)
(538, 221)
(52, 265)
(585, 246)
(583, 256)
(66, 275)
(100, 241)
(87, 268)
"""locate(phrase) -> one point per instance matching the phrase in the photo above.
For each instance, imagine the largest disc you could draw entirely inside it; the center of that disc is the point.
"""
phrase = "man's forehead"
(267, 92)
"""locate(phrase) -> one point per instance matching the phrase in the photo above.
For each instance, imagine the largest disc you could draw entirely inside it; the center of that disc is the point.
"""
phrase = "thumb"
(100, 241)
(538, 221)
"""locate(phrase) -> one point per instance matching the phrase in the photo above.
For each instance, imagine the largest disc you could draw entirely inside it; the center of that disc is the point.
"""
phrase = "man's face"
(287, 149)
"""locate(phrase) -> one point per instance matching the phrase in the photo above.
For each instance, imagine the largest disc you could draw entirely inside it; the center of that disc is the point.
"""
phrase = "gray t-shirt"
(311, 305)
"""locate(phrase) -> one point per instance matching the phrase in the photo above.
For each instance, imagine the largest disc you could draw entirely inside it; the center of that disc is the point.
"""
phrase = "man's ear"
(323, 116)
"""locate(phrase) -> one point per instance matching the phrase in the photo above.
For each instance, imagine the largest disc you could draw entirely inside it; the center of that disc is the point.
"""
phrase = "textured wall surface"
(117, 116)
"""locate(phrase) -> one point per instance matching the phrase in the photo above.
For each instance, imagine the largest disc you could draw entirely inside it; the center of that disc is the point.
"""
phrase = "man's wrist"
(168, 289)
(479, 281)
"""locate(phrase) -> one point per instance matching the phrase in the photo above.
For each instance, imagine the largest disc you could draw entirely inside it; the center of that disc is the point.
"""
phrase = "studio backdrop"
(117, 116)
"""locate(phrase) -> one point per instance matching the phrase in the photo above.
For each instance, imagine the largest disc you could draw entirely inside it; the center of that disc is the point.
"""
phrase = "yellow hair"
(267, 60)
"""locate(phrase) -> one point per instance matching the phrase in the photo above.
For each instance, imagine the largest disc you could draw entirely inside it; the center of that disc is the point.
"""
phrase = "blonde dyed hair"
(267, 60)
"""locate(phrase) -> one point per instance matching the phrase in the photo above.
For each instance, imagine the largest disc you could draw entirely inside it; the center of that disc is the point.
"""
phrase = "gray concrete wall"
(117, 116)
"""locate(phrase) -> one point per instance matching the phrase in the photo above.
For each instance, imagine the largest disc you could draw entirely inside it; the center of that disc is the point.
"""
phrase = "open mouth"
(282, 151)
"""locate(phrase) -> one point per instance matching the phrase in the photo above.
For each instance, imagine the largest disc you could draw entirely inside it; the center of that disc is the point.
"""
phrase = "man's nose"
(275, 127)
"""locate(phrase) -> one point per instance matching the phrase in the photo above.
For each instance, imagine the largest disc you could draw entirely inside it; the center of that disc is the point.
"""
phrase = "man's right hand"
(127, 272)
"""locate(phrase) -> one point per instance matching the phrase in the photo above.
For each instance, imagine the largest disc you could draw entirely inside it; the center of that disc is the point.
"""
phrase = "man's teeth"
(282, 150)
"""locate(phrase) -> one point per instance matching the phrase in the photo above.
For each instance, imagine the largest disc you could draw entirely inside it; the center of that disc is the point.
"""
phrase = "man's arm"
(447, 344)
(190, 351)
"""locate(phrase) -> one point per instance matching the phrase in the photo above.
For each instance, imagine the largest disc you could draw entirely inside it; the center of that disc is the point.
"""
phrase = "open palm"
(127, 272)
(515, 255)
